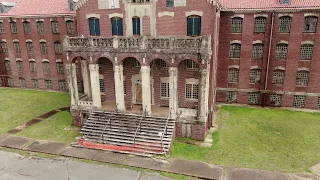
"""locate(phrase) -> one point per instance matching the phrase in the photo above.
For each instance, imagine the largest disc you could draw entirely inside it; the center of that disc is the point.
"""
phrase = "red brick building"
(173, 57)
(31, 34)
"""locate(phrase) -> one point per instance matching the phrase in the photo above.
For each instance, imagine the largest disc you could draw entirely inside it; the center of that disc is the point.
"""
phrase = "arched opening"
(106, 80)
(188, 84)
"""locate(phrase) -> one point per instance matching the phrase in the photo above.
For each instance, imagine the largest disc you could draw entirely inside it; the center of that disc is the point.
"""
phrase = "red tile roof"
(38, 7)
(269, 4)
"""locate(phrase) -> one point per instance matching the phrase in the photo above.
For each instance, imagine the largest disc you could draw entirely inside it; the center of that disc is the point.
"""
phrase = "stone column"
(95, 85)
(118, 82)
(146, 89)
(85, 78)
(74, 83)
(173, 92)
(203, 95)
(71, 88)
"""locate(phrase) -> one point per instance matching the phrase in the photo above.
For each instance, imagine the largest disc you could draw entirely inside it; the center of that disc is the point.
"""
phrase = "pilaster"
(85, 77)
(118, 82)
(146, 89)
(173, 90)
(203, 95)
(74, 82)
(95, 85)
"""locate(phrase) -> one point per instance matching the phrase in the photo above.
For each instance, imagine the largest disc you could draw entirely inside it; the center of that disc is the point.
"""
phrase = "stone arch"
(158, 56)
(96, 59)
(75, 58)
(121, 58)
(106, 78)
(184, 57)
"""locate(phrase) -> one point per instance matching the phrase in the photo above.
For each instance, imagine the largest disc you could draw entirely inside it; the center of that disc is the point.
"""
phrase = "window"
(255, 76)
(260, 24)
(4, 46)
(7, 65)
(233, 75)
(22, 83)
(101, 85)
(302, 78)
(40, 27)
(62, 85)
(306, 51)
(48, 84)
(284, 24)
(318, 104)
(135, 63)
(194, 25)
(235, 50)
(16, 47)
(281, 51)
(232, 96)
(164, 86)
(29, 47)
(43, 47)
(310, 24)
(45, 67)
(71, 5)
(257, 51)
(163, 64)
(236, 26)
(136, 25)
(1, 27)
(35, 83)
(275, 99)
(55, 27)
(113, 4)
(299, 101)
(19, 66)
(60, 67)
(10, 82)
(32, 66)
(253, 98)
(70, 27)
(278, 77)
(117, 27)
(192, 91)
(26, 27)
(169, 3)
(140, 1)
(13, 26)
(191, 65)
(124, 87)
(94, 26)
(57, 48)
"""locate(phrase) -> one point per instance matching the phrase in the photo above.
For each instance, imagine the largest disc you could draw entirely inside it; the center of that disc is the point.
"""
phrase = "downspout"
(268, 63)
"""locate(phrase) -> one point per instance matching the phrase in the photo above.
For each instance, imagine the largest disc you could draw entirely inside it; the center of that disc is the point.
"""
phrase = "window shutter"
(91, 26)
(97, 27)
(120, 27)
(134, 26)
(196, 26)
(114, 26)
(138, 26)
(190, 24)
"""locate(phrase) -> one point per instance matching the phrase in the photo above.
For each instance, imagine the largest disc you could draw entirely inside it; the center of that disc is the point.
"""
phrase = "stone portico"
(123, 74)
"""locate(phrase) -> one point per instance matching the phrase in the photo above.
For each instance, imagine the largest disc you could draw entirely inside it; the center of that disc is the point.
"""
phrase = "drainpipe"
(268, 63)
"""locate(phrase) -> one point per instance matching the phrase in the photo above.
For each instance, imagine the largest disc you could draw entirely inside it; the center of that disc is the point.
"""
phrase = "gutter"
(268, 63)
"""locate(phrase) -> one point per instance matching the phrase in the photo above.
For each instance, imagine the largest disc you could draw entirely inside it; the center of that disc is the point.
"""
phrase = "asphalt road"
(16, 167)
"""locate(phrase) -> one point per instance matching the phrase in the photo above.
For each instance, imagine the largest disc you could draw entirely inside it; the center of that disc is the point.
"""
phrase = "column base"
(77, 117)
(194, 130)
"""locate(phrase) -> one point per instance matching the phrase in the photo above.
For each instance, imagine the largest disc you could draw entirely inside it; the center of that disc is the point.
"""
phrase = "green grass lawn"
(18, 106)
(53, 129)
(266, 139)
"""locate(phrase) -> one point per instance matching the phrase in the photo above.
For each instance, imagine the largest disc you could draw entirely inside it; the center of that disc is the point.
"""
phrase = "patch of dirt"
(65, 109)
(24, 126)
(32, 122)
(14, 131)
(48, 114)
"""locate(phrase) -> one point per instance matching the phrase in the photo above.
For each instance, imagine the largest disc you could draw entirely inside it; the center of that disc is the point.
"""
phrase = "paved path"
(16, 167)
(178, 166)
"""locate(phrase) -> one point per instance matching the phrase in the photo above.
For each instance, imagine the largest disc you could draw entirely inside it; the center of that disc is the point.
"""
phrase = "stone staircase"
(127, 133)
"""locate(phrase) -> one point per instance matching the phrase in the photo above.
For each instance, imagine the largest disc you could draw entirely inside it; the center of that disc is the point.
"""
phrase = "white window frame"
(194, 85)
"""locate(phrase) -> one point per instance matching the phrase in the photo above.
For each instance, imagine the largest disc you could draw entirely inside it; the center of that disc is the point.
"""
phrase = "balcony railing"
(201, 44)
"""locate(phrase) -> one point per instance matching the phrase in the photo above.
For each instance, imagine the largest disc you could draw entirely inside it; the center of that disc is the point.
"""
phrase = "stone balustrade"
(87, 104)
(200, 44)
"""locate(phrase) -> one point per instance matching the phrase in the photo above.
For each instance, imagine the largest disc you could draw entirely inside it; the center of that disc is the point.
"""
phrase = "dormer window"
(285, 1)
(71, 5)
(2, 9)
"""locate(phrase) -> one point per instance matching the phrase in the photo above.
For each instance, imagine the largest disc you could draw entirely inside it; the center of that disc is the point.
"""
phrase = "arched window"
(55, 26)
(70, 26)
(40, 26)
(306, 51)
(57, 47)
(13, 26)
(282, 51)
(278, 77)
(26, 26)
(19, 66)
(29, 46)
(43, 47)
(284, 24)
(233, 75)
(4, 46)
(310, 24)
(1, 27)
(236, 25)
(257, 51)
(16, 46)
(136, 25)
(302, 78)
(117, 27)
(194, 25)
(235, 50)
(260, 24)
(45, 65)
(94, 26)
(255, 76)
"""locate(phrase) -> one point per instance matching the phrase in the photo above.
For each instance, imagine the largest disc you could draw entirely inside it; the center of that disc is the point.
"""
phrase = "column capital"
(68, 66)
(145, 69)
(93, 67)
(204, 72)
(173, 71)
